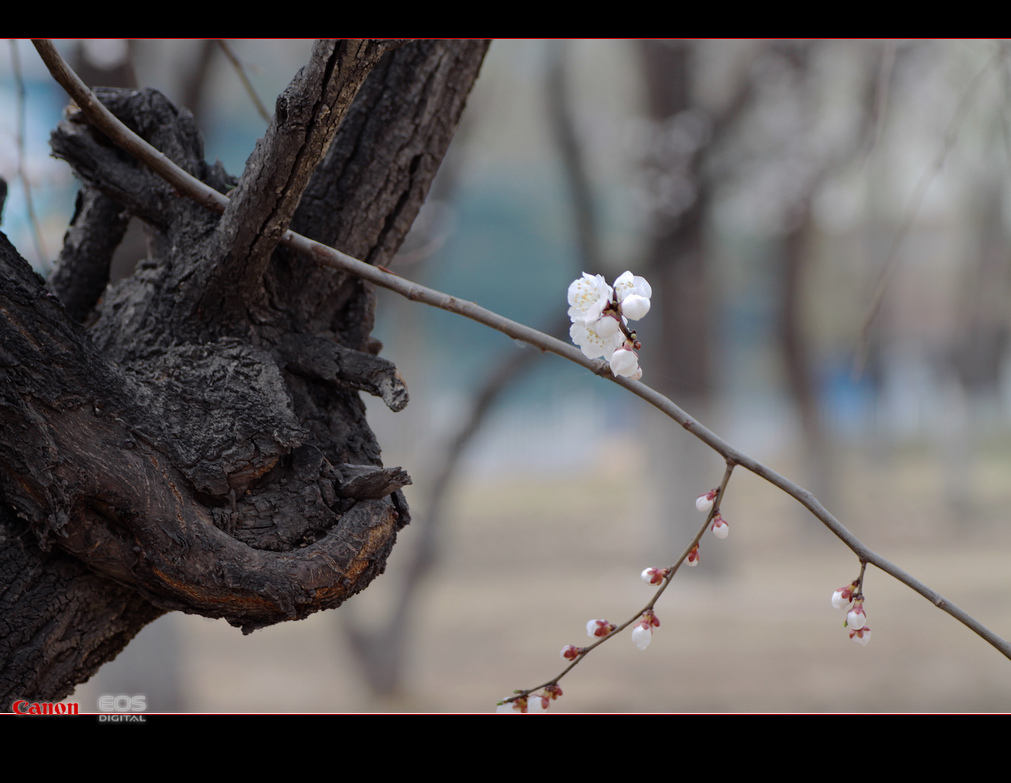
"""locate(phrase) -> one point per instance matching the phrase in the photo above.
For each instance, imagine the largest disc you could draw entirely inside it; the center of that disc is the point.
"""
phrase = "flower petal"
(588, 296)
(592, 344)
(628, 284)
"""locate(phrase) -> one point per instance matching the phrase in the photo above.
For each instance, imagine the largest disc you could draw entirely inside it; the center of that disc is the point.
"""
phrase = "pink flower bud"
(570, 652)
(705, 502)
(720, 527)
(857, 617)
(654, 576)
(693, 556)
(642, 633)
(844, 595)
(517, 705)
(599, 628)
(861, 635)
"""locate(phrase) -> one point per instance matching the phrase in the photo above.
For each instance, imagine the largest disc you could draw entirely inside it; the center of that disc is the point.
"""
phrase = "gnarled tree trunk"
(194, 440)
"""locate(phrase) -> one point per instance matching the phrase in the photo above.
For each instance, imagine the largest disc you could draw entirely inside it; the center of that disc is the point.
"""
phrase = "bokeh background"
(827, 229)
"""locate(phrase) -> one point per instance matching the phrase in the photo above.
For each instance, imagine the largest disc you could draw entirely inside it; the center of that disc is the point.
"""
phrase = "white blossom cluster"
(600, 315)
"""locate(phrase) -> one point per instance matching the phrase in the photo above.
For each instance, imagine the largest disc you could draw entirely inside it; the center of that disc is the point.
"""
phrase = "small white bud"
(625, 362)
(642, 636)
(634, 306)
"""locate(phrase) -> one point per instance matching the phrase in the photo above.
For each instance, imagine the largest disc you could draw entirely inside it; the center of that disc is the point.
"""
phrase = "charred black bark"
(202, 446)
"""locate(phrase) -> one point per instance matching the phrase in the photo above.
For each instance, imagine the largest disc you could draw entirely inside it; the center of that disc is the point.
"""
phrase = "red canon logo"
(22, 707)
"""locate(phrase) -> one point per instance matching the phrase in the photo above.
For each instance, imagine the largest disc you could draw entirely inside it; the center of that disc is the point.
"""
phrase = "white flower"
(642, 635)
(633, 292)
(606, 326)
(597, 335)
(600, 314)
(592, 344)
(625, 362)
(588, 296)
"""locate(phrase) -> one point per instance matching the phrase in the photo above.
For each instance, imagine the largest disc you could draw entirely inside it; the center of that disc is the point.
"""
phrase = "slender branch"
(122, 136)
(248, 85)
(668, 577)
(193, 188)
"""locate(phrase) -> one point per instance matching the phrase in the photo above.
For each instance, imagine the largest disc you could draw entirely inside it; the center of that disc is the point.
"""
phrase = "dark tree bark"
(202, 446)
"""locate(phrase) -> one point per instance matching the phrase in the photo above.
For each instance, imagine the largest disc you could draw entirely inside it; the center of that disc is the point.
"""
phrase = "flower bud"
(844, 595)
(720, 527)
(517, 705)
(625, 362)
(705, 502)
(654, 576)
(857, 617)
(693, 556)
(861, 635)
(634, 306)
(632, 287)
(570, 652)
(538, 703)
(642, 635)
(599, 628)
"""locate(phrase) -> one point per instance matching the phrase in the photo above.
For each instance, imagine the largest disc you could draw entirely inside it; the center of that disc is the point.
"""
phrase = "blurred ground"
(533, 559)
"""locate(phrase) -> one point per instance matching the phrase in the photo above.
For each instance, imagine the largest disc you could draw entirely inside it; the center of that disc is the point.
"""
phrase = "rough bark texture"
(202, 446)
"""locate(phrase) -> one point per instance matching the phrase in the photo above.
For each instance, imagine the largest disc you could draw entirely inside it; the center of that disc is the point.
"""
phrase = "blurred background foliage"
(767, 190)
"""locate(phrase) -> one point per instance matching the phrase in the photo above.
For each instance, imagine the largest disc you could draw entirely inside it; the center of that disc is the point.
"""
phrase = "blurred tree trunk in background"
(678, 262)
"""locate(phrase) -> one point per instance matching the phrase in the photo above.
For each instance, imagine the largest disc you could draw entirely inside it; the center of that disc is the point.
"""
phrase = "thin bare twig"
(241, 71)
(198, 191)
(668, 577)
